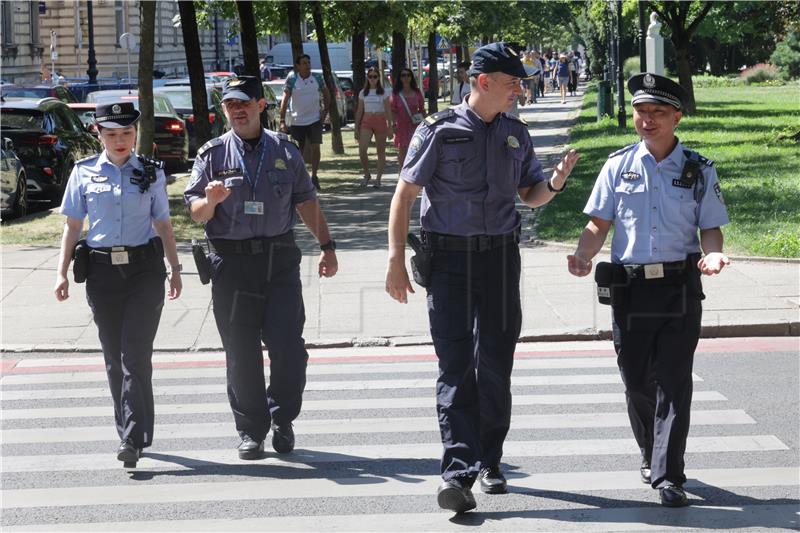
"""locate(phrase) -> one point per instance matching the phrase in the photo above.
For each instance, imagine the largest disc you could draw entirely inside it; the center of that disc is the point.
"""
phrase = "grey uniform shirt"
(282, 184)
(470, 171)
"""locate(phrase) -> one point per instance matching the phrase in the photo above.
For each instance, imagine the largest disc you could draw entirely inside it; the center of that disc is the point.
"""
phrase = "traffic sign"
(127, 41)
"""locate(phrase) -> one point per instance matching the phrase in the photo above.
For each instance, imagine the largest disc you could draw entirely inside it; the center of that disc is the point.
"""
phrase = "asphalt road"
(368, 446)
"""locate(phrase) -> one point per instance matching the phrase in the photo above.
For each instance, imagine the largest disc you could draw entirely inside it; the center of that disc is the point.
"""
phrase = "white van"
(340, 54)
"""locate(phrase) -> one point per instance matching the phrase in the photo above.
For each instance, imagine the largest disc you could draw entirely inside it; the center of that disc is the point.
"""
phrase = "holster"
(80, 265)
(610, 280)
(421, 261)
(202, 262)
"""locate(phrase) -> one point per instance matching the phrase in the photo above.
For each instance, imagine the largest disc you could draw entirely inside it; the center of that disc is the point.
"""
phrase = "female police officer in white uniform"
(657, 194)
(125, 197)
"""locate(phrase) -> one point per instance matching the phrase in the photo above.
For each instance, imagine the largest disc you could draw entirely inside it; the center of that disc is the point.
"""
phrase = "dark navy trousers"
(126, 302)
(475, 319)
(656, 326)
(258, 298)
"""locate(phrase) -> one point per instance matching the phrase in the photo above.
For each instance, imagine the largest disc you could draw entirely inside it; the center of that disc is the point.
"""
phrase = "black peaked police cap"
(655, 89)
(242, 88)
(497, 57)
(115, 114)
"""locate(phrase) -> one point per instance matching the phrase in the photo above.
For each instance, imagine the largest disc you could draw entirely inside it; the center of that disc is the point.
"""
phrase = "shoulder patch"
(149, 161)
(516, 118)
(441, 115)
(87, 159)
(622, 150)
(216, 141)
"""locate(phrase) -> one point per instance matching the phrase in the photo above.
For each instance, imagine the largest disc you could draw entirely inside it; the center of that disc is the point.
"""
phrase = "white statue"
(655, 27)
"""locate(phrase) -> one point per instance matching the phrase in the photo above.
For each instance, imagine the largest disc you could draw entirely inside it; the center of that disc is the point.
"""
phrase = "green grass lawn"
(746, 131)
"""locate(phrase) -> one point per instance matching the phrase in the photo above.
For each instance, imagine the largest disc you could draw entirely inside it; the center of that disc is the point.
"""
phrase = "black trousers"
(656, 327)
(475, 318)
(126, 302)
(258, 298)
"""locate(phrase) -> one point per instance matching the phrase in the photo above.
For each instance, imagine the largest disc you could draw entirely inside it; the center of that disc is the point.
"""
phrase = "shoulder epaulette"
(149, 161)
(286, 138)
(516, 118)
(441, 115)
(691, 154)
(216, 141)
(85, 159)
(622, 150)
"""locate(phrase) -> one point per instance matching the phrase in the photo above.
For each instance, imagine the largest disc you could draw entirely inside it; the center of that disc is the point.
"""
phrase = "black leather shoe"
(315, 182)
(644, 472)
(673, 496)
(127, 452)
(250, 449)
(492, 480)
(282, 437)
(455, 495)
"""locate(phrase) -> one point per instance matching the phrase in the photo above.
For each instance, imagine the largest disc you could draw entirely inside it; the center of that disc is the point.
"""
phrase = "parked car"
(170, 133)
(13, 183)
(38, 91)
(444, 81)
(338, 97)
(180, 96)
(271, 119)
(279, 72)
(48, 137)
(351, 98)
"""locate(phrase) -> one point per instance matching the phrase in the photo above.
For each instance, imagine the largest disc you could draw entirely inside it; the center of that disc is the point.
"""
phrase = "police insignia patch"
(280, 164)
(99, 179)
(631, 176)
(116, 109)
(194, 177)
(414, 146)
(235, 83)
(718, 191)
(512, 141)
(649, 81)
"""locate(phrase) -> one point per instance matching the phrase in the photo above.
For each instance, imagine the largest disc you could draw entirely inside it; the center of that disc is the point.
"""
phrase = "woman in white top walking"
(373, 116)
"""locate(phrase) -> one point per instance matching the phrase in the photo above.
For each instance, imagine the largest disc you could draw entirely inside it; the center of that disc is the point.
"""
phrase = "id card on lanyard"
(253, 207)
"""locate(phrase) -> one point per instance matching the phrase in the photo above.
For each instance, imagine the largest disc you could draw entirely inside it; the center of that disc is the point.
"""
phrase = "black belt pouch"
(80, 266)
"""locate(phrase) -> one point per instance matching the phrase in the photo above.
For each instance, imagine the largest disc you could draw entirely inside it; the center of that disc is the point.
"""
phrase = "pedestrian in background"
(471, 162)
(462, 87)
(373, 117)
(408, 110)
(125, 198)
(306, 97)
(561, 73)
(248, 186)
(657, 194)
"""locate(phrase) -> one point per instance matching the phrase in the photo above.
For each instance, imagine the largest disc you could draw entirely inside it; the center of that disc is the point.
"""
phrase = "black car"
(48, 137)
(38, 91)
(270, 119)
(13, 183)
(181, 98)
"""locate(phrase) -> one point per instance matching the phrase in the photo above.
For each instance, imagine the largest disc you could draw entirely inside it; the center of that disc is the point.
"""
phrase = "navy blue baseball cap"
(655, 89)
(116, 114)
(497, 57)
(242, 88)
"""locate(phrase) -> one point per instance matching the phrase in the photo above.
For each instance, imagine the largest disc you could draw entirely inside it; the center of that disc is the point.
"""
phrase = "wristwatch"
(553, 189)
(330, 245)
(176, 268)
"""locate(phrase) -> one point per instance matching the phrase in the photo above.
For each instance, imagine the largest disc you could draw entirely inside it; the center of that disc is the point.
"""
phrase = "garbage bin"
(605, 104)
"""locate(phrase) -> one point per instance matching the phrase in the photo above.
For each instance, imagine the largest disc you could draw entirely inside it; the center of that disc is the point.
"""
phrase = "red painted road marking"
(7, 366)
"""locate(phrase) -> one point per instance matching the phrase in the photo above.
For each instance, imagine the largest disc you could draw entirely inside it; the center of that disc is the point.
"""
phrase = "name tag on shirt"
(98, 187)
(254, 208)
(228, 172)
(234, 182)
(457, 140)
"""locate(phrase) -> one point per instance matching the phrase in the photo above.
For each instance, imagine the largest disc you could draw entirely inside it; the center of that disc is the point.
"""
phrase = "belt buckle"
(654, 271)
(256, 246)
(119, 257)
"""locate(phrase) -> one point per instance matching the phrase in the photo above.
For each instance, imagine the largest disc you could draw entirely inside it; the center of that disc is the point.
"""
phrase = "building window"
(175, 31)
(120, 18)
(33, 8)
(159, 23)
(8, 22)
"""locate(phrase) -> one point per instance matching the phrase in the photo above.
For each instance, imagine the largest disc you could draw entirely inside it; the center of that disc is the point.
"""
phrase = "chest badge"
(280, 164)
(631, 176)
(512, 141)
(99, 179)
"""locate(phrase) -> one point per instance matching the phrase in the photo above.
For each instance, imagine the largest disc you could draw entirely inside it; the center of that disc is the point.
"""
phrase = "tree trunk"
(684, 67)
(147, 25)
(194, 62)
(247, 29)
(359, 39)
(433, 75)
(398, 54)
(333, 91)
(295, 20)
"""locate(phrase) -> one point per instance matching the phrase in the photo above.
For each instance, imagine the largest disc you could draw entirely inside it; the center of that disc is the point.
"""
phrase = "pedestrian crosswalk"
(367, 452)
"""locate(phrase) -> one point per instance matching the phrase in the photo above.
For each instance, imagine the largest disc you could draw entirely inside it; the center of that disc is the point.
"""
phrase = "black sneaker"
(455, 495)
(315, 182)
(492, 480)
(673, 496)
(282, 437)
(250, 449)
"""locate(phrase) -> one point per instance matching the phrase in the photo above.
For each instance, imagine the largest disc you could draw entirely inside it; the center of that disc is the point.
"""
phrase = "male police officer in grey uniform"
(246, 186)
(471, 162)
(657, 194)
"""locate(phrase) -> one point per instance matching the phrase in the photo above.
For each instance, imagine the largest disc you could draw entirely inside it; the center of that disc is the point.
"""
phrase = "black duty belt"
(474, 243)
(249, 246)
(661, 270)
(123, 255)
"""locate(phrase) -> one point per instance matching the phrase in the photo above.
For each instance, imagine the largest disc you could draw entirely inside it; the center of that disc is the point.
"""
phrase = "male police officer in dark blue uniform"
(471, 162)
(246, 186)
(657, 194)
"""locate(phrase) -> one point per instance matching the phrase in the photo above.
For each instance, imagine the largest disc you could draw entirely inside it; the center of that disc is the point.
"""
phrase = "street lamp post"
(620, 74)
(642, 47)
(92, 71)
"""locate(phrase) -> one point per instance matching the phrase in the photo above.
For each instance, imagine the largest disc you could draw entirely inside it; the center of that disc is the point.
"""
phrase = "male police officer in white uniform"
(246, 186)
(657, 194)
(471, 162)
